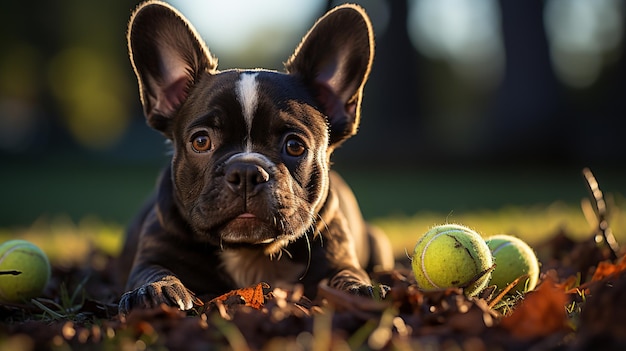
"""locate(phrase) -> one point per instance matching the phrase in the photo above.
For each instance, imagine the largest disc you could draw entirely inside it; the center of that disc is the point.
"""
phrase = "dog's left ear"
(334, 60)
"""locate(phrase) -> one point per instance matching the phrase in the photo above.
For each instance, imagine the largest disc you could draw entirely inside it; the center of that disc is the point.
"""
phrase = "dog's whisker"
(324, 228)
(286, 251)
(275, 255)
(308, 262)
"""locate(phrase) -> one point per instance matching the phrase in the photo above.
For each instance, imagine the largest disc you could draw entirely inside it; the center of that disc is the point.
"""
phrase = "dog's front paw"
(169, 291)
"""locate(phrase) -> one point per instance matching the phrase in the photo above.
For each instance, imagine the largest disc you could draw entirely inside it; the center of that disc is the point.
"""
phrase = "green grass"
(73, 187)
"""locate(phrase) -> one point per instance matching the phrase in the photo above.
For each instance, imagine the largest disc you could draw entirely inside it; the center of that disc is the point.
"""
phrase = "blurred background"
(471, 105)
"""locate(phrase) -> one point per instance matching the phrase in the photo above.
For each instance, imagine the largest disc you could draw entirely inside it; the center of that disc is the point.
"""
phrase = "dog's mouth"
(261, 227)
(246, 216)
(247, 229)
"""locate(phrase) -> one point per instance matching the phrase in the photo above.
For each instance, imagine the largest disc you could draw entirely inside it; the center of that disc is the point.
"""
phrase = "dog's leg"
(152, 284)
(347, 274)
(373, 248)
(381, 253)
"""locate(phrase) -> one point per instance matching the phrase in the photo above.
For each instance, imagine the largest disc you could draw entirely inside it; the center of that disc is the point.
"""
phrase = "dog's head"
(251, 148)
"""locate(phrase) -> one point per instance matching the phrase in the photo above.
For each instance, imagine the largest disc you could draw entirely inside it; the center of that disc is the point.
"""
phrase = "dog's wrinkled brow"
(207, 120)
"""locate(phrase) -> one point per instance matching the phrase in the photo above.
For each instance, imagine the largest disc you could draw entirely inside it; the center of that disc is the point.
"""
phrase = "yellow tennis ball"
(451, 255)
(513, 258)
(25, 271)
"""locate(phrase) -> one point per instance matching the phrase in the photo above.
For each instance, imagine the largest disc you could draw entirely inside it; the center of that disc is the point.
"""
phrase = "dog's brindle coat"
(248, 196)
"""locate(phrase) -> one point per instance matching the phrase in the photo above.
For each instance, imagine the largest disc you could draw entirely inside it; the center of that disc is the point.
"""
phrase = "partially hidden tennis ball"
(452, 255)
(513, 258)
(24, 271)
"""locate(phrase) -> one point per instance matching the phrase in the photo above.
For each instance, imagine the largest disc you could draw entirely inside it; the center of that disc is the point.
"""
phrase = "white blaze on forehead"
(247, 94)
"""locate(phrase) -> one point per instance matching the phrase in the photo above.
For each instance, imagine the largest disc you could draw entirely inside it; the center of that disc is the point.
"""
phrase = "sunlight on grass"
(532, 224)
(66, 241)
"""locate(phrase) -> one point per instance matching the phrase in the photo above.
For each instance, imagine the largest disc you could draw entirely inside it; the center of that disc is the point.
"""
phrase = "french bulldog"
(249, 196)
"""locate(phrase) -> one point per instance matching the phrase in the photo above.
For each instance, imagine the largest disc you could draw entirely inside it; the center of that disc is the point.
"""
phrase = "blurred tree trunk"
(526, 116)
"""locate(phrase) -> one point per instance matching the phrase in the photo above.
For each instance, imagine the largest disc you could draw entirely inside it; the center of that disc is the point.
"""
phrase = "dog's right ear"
(334, 60)
(168, 56)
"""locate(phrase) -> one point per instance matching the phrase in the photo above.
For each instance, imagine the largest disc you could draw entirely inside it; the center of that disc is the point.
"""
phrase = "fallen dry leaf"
(606, 269)
(252, 296)
(541, 313)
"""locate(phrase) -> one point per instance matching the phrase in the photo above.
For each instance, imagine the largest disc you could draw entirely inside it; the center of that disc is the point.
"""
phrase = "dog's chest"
(249, 267)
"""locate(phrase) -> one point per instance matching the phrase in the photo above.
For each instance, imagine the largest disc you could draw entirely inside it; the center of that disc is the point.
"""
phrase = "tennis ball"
(451, 255)
(513, 258)
(25, 271)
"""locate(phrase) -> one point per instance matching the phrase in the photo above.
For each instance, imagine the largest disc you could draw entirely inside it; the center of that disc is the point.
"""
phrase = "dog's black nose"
(246, 178)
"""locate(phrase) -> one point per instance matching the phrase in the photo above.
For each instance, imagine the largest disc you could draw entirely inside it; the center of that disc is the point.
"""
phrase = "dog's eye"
(294, 147)
(201, 143)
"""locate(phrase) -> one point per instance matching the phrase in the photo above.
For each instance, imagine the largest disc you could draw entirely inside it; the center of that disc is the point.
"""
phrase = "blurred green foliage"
(65, 62)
